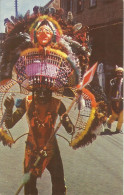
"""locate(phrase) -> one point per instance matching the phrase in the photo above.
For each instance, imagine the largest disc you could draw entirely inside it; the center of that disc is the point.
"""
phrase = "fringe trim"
(30, 50)
(83, 133)
(5, 138)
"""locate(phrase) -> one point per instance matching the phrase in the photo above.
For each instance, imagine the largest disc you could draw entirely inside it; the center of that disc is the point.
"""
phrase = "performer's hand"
(66, 122)
(9, 102)
(71, 129)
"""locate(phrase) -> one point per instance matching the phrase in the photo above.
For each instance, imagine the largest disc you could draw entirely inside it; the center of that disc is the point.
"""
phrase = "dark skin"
(115, 101)
(119, 75)
(17, 115)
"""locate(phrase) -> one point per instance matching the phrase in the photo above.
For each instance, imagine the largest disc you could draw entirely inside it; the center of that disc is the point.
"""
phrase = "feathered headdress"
(22, 36)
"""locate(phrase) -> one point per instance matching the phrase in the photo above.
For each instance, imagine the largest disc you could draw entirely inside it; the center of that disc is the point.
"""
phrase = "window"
(61, 4)
(80, 5)
(68, 5)
(108, 1)
(93, 3)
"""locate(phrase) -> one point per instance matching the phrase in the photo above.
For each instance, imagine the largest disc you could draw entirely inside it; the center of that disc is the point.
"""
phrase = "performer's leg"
(120, 121)
(30, 187)
(112, 118)
(55, 168)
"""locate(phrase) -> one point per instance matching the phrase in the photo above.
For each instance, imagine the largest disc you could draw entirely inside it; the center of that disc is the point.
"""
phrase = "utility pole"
(16, 8)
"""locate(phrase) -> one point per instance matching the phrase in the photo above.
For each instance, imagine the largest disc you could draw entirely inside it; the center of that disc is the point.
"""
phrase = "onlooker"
(101, 76)
(116, 100)
(8, 25)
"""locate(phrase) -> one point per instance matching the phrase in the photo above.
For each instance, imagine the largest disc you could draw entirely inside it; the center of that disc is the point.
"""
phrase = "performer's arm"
(12, 118)
(66, 122)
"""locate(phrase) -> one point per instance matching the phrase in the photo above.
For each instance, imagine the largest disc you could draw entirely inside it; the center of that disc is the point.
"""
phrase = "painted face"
(44, 35)
(43, 96)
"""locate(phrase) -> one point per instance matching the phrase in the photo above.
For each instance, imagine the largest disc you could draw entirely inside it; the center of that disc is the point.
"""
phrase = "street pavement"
(96, 169)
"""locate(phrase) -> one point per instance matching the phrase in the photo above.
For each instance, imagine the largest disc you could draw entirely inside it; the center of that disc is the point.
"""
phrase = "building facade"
(105, 20)
(53, 3)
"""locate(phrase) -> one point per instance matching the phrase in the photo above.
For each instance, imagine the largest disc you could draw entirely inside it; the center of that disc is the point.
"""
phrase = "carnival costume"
(49, 53)
(41, 120)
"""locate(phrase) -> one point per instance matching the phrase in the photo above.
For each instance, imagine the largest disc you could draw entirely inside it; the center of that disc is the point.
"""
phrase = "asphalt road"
(96, 169)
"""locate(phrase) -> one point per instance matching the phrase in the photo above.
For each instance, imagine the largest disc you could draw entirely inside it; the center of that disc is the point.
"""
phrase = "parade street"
(96, 169)
(61, 63)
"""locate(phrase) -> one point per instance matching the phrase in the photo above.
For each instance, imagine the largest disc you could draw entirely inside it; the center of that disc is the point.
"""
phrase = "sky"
(7, 8)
